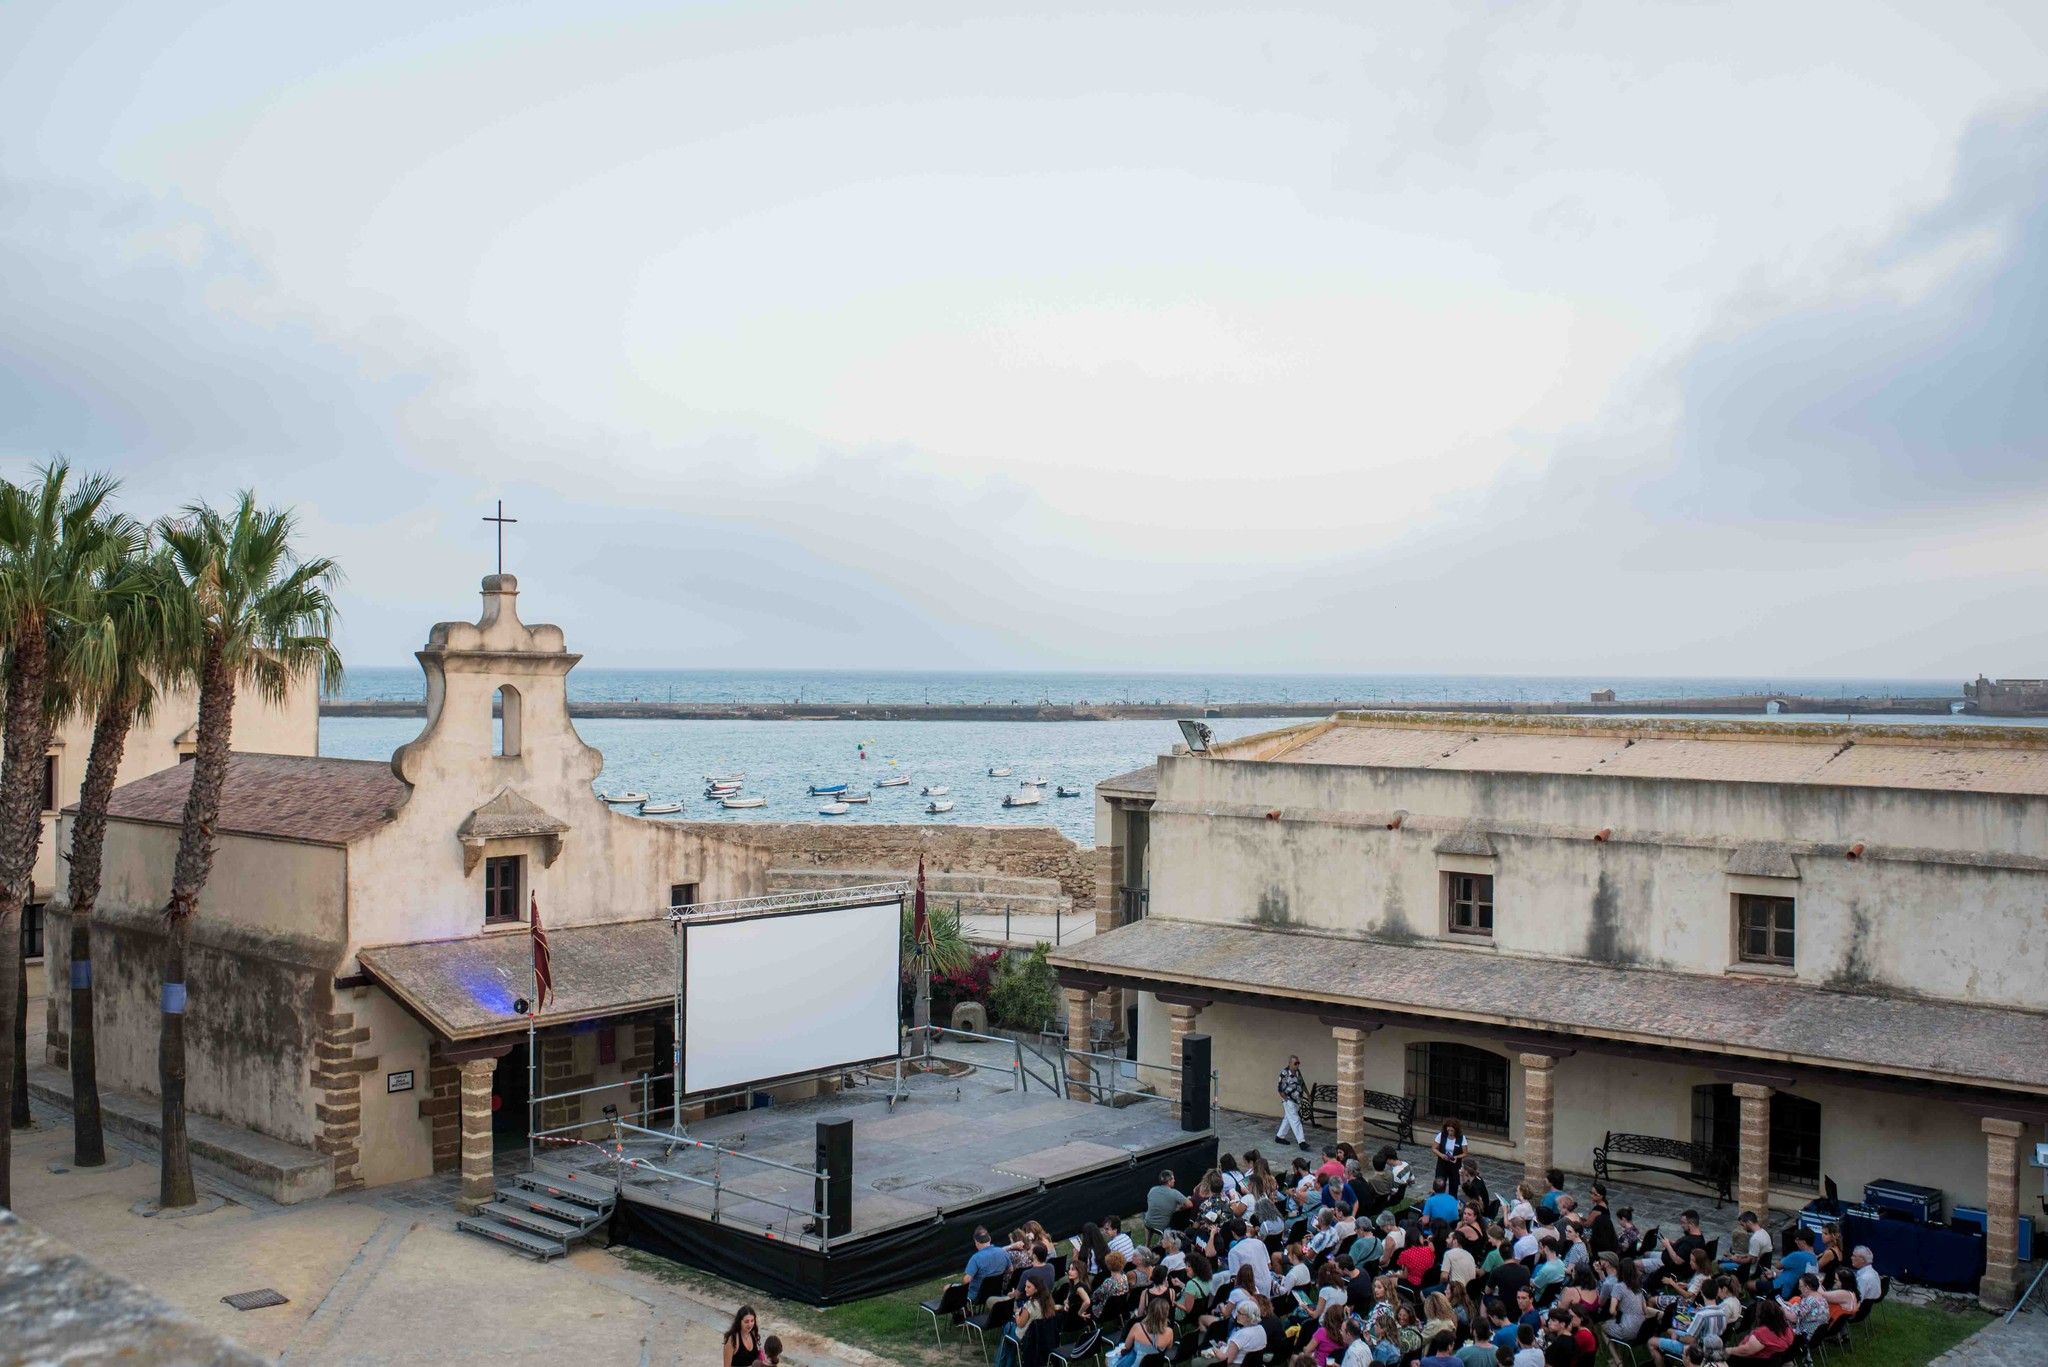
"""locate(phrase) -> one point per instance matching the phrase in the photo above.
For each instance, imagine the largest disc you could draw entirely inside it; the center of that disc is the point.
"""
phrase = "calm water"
(821, 685)
(668, 759)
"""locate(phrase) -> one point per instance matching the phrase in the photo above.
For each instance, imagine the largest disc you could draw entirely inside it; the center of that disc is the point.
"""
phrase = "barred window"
(1764, 929)
(1459, 1082)
(1471, 901)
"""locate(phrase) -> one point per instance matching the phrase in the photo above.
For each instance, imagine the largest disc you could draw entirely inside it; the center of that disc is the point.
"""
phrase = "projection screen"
(784, 993)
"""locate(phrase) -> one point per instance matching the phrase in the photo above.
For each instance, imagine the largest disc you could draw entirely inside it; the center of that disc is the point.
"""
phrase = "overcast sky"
(1621, 338)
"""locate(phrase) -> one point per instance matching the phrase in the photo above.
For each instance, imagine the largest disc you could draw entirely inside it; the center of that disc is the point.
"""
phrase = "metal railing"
(1106, 1094)
(535, 1133)
(1017, 1070)
(716, 1182)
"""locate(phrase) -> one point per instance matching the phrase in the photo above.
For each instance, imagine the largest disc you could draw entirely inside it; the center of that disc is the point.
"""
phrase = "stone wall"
(1024, 851)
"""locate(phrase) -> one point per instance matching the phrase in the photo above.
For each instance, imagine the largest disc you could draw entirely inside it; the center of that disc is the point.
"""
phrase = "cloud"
(1892, 391)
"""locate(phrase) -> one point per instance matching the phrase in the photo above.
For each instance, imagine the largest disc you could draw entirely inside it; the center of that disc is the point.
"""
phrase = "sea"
(781, 760)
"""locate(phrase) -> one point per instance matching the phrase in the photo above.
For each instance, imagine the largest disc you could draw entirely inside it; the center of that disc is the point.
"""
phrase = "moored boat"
(937, 805)
(1064, 791)
(624, 799)
(894, 781)
(827, 789)
(1031, 783)
(855, 797)
(724, 778)
(834, 809)
(659, 808)
(935, 790)
(1029, 797)
(1000, 771)
(736, 803)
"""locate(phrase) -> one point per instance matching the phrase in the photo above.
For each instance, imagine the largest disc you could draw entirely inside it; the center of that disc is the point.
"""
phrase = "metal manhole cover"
(954, 1188)
(255, 1300)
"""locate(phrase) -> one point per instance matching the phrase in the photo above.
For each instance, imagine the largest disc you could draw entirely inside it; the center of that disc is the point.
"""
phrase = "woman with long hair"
(1152, 1334)
(743, 1340)
(1449, 1148)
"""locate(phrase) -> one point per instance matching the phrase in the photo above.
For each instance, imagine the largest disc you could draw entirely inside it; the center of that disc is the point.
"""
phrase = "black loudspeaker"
(835, 1161)
(1194, 1083)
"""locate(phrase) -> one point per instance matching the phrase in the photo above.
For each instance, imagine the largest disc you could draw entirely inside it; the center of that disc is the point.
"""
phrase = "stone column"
(1180, 1022)
(2001, 1213)
(1538, 1100)
(1080, 1015)
(1350, 1084)
(1753, 1164)
(478, 1183)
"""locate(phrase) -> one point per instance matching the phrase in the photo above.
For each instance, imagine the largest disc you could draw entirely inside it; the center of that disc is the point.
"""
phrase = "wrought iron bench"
(1399, 1120)
(1696, 1163)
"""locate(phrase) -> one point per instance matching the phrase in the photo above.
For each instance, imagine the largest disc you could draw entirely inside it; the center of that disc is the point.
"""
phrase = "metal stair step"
(534, 1245)
(594, 1197)
(533, 1222)
(583, 1217)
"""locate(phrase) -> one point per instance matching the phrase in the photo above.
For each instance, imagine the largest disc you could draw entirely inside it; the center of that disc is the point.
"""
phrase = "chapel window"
(502, 876)
(505, 721)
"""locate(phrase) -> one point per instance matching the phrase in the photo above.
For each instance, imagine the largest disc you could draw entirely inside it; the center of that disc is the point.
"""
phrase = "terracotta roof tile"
(290, 797)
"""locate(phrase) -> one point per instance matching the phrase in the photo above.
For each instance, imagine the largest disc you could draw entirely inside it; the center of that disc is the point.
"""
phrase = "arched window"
(505, 727)
(1795, 1131)
(1459, 1082)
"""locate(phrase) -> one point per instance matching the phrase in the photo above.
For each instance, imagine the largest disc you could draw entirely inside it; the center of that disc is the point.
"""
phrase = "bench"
(1697, 1163)
(1398, 1122)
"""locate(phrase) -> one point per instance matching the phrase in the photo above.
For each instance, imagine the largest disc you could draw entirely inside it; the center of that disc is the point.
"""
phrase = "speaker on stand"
(834, 1189)
(1194, 1083)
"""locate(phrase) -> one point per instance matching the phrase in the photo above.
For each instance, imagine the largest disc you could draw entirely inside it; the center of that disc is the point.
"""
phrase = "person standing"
(1450, 1153)
(1293, 1095)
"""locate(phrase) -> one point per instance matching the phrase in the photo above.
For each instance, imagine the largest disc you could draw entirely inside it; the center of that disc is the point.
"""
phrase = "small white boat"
(721, 780)
(716, 793)
(898, 781)
(1030, 797)
(1064, 791)
(659, 808)
(834, 809)
(1000, 771)
(855, 797)
(935, 790)
(624, 799)
(736, 803)
(937, 805)
(1031, 783)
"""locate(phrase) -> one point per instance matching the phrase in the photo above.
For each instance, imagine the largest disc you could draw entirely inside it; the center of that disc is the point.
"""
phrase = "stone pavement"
(2023, 1343)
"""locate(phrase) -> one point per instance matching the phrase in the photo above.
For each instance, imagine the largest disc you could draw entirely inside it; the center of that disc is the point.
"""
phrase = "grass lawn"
(1901, 1335)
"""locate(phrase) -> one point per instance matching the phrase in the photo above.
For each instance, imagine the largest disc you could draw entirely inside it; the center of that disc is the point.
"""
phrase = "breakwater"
(1747, 704)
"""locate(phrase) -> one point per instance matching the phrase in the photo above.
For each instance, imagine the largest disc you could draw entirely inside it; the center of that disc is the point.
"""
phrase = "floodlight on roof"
(1197, 735)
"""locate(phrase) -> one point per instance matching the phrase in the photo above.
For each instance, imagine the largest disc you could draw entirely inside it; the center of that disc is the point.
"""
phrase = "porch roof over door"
(465, 989)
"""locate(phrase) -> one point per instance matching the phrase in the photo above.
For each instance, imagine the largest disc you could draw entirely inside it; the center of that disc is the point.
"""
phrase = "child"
(771, 1351)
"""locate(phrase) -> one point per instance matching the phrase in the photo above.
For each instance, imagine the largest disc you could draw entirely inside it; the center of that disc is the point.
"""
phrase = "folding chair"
(949, 1306)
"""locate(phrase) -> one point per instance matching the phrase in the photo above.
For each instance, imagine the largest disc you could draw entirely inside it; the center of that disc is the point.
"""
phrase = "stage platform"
(952, 1152)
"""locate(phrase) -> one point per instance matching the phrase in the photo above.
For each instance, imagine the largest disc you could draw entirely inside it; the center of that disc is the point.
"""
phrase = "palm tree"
(55, 542)
(250, 614)
(135, 596)
(950, 950)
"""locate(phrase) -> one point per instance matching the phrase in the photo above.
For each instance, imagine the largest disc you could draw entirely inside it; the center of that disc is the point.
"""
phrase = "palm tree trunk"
(27, 737)
(188, 880)
(88, 844)
(19, 1117)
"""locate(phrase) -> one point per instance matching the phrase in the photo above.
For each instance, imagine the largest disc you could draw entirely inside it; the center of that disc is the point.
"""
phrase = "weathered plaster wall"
(1942, 902)
(397, 1139)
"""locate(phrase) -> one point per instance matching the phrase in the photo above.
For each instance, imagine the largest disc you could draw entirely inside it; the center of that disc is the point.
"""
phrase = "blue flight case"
(1905, 1201)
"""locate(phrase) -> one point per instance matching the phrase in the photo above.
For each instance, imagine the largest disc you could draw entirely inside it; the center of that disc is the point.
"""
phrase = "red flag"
(921, 926)
(543, 963)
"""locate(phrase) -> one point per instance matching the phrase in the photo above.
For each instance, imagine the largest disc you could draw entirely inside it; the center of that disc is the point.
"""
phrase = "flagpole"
(921, 1008)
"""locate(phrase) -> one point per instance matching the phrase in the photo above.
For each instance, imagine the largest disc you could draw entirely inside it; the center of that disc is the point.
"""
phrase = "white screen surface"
(771, 996)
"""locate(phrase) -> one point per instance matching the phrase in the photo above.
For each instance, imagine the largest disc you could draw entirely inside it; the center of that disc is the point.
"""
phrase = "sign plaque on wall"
(398, 1082)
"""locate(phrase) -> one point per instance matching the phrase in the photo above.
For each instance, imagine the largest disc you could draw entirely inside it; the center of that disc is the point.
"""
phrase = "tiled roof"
(290, 797)
(1137, 783)
(509, 815)
(1965, 759)
(465, 989)
(1754, 1019)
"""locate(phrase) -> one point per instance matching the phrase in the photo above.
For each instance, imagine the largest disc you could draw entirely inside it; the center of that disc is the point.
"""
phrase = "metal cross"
(501, 520)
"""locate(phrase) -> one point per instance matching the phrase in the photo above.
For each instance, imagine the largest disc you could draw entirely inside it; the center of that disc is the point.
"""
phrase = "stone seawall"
(1016, 851)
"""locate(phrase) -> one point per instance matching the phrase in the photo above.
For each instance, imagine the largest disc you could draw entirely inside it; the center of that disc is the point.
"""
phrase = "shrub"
(1025, 993)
